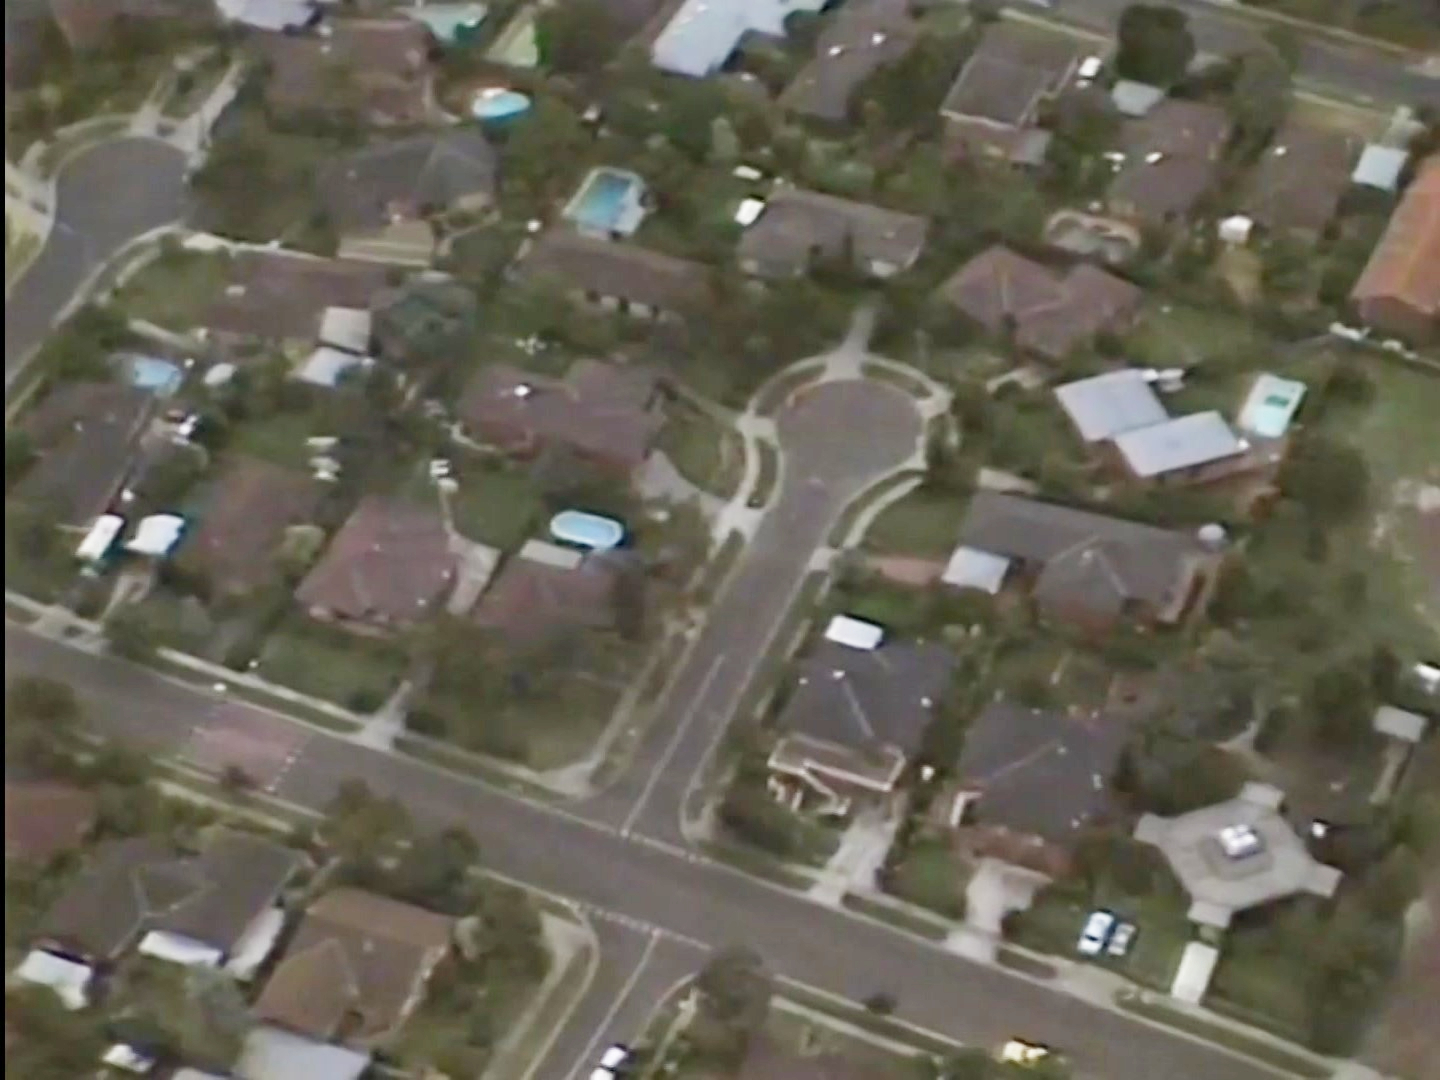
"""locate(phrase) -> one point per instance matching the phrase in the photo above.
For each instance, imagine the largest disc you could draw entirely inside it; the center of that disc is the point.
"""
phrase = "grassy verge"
(1275, 1056)
(756, 863)
(778, 654)
(53, 156)
(298, 709)
(908, 383)
(767, 478)
(1024, 963)
(455, 760)
(703, 450)
(772, 397)
(564, 995)
(863, 502)
(909, 921)
(884, 1026)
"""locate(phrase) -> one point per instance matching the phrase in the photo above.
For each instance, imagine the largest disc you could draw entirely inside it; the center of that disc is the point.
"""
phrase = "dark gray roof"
(1091, 560)
(863, 36)
(429, 172)
(139, 885)
(796, 225)
(1171, 158)
(628, 272)
(1040, 773)
(1009, 73)
(1301, 177)
(862, 698)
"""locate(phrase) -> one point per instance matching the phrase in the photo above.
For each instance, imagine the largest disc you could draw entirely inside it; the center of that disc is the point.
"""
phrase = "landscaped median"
(1270, 1053)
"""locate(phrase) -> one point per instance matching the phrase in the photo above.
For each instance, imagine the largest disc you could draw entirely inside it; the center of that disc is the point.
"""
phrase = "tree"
(1341, 706)
(362, 827)
(19, 454)
(1155, 45)
(1286, 266)
(1260, 96)
(41, 717)
(908, 91)
(541, 151)
(724, 143)
(577, 37)
(129, 634)
(1329, 479)
(733, 994)
(434, 871)
(52, 1042)
(881, 1003)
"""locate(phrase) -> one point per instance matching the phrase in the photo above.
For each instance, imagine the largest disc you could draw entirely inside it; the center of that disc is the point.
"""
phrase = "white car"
(1020, 1052)
(602, 1074)
(1121, 939)
(1098, 928)
(616, 1056)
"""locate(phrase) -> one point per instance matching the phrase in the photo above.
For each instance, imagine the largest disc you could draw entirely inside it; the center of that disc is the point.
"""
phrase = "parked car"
(1023, 1052)
(613, 1062)
(1096, 932)
(1121, 939)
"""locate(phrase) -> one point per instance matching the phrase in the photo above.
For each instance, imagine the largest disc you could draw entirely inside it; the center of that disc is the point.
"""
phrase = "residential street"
(110, 194)
(654, 883)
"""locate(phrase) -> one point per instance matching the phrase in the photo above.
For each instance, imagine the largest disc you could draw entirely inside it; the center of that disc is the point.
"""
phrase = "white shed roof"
(157, 535)
(70, 980)
(1380, 167)
(346, 328)
(1181, 443)
(971, 568)
(1400, 724)
(856, 633)
(549, 554)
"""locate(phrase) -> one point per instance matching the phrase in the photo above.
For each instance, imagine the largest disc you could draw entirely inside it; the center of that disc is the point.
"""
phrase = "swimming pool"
(609, 201)
(587, 530)
(1271, 406)
(152, 373)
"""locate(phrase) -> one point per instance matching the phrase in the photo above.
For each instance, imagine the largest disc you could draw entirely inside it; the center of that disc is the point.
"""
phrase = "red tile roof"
(1405, 266)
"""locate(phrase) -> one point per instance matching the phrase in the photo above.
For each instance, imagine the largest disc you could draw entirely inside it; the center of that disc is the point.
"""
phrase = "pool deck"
(626, 215)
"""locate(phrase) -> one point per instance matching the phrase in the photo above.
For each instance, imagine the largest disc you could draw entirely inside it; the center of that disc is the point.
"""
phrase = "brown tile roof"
(608, 268)
(356, 966)
(604, 411)
(863, 36)
(1405, 265)
(1010, 72)
(408, 178)
(797, 225)
(1050, 313)
(531, 600)
(243, 523)
(85, 435)
(134, 886)
(384, 61)
(44, 818)
(1300, 178)
(1188, 137)
(282, 296)
(390, 563)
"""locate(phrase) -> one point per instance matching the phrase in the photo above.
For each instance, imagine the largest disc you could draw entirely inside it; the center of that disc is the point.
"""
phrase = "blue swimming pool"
(152, 373)
(609, 201)
(587, 530)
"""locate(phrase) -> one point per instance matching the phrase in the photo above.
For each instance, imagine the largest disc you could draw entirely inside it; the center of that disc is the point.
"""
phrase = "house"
(859, 39)
(798, 227)
(1399, 291)
(389, 567)
(272, 1053)
(356, 968)
(85, 436)
(208, 909)
(1297, 185)
(854, 719)
(1193, 449)
(1032, 782)
(377, 70)
(613, 275)
(422, 320)
(547, 590)
(89, 24)
(1103, 406)
(1237, 855)
(604, 412)
(282, 296)
(1171, 159)
(380, 198)
(1079, 566)
(1047, 312)
(44, 818)
(251, 507)
(702, 35)
(992, 110)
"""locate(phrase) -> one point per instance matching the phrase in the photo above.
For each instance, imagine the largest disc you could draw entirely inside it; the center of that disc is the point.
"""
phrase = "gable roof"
(1405, 266)
(865, 699)
(1011, 70)
(1170, 158)
(85, 435)
(1099, 562)
(701, 34)
(1300, 178)
(1180, 443)
(391, 561)
(45, 817)
(1051, 313)
(355, 965)
(861, 37)
(609, 268)
(1103, 406)
(599, 409)
(141, 884)
(243, 524)
(407, 178)
(797, 225)
(283, 295)
(531, 599)
(1040, 773)
(382, 63)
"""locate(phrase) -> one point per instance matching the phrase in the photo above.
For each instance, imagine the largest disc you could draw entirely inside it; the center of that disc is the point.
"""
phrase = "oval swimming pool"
(587, 530)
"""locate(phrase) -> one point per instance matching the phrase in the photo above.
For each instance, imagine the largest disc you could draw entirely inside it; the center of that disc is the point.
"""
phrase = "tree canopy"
(1155, 44)
(577, 37)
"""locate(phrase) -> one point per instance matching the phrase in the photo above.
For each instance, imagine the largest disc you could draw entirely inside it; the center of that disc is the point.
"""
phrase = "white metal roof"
(1192, 978)
(1181, 443)
(749, 211)
(326, 366)
(1104, 406)
(157, 535)
(346, 328)
(1400, 724)
(856, 633)
(1380, 167)
(101, 537)
(702, 34)
(549, 554)
(178, 949)
(1135, 98)
(70, 980)
(271, 1053)
(971, 568)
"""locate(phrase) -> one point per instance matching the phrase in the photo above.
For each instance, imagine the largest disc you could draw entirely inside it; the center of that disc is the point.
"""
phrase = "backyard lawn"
(1173, 335)
(923, 523)
(175, 289)
(497, 504)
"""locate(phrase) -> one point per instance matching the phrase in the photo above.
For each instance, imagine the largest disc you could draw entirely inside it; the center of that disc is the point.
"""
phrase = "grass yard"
(1173, 335)
(326, 662)
(706, 452)
(278, 438)
(497, 504)
(175, 289)
(923, 523)
(933, 875)
(1340, 116)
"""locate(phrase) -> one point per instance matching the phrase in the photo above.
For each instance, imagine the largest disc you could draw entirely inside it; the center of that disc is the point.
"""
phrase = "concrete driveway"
(995, 890)
(105, 197)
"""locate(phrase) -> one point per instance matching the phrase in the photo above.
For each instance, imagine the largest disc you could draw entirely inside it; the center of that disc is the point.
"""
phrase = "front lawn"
(704, 451)
(352, 670)
(932, 874)
(175, 290)
(925, 523)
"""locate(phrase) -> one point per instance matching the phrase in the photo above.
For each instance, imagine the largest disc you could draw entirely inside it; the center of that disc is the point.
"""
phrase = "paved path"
(106, 196)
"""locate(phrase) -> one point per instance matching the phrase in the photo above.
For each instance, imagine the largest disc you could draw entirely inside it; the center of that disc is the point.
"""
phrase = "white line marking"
(674, 745)
(619, 1002)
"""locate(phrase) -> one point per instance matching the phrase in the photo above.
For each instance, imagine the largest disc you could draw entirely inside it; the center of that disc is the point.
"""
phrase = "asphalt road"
(105, 197)
(656, 884)
(1369, 73)
(825, 466)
